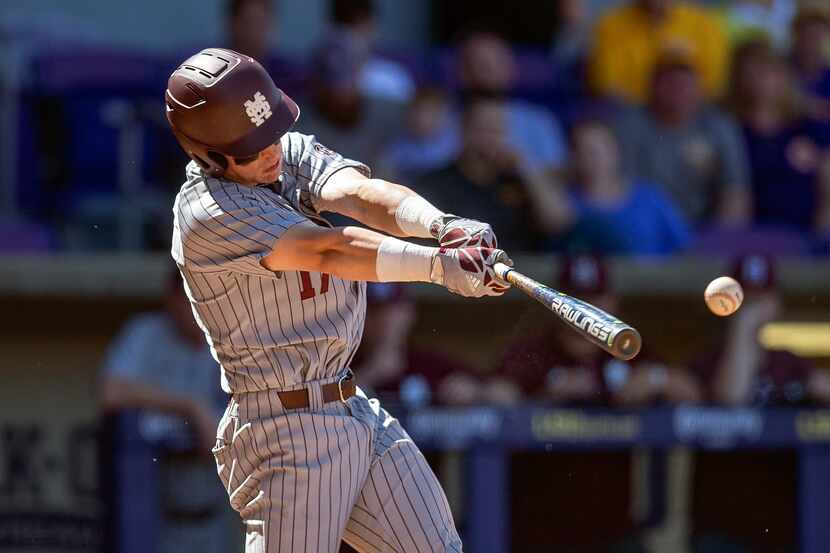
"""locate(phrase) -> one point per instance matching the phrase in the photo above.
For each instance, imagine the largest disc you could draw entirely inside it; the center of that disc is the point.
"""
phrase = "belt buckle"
(348, 375)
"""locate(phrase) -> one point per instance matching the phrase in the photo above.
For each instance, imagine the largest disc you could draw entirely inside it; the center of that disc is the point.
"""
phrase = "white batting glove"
(469, 271)
(452, 231)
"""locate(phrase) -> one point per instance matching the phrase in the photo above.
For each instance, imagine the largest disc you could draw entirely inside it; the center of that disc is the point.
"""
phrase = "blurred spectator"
(429, 140)
(772, 18)
(487, 68)
(249, 27)
(161, 364)
(389, 366)
(338, 112)
(380, 77)
(630, 39)
(572, 36)
(570, 43)
(811, 35)
(741, 371)
(493, 181)
(679, 142)
(562, 366)
(784, 154)
(610, 213)
(250, 30)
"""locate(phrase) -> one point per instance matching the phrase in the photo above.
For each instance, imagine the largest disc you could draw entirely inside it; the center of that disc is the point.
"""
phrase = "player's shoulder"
(297, 147)
(204, 197)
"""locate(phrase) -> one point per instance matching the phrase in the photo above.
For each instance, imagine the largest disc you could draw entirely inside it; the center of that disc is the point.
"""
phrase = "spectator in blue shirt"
(610, 213)
(487, 68)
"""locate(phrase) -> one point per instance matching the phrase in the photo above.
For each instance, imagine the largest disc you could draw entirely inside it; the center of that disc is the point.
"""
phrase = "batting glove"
(469, 271)
(452, 231)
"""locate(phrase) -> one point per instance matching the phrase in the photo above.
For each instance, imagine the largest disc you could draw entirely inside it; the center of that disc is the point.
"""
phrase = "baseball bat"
(614, 336)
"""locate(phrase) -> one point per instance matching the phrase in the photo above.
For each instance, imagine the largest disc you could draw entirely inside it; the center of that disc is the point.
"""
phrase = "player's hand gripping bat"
(614, 336)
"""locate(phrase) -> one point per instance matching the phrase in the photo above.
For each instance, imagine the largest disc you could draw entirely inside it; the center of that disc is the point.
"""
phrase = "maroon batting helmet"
(222, 103)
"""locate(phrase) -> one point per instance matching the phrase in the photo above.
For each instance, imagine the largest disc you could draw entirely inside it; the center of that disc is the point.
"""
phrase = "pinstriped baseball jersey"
(266, 330)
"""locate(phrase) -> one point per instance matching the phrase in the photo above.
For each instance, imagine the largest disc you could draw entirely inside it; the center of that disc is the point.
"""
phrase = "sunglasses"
(246, 160)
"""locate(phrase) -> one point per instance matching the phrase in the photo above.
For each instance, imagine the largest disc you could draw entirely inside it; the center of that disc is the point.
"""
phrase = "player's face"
(265, 167)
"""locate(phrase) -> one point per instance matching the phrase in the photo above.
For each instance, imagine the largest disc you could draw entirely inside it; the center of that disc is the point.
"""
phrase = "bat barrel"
(606, 331)
(626, 344)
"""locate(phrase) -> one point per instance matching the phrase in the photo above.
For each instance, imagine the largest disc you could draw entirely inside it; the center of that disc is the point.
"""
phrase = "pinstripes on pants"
(302, 480)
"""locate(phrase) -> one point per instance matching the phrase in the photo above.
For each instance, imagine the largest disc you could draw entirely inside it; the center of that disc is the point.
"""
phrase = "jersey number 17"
(307, 290)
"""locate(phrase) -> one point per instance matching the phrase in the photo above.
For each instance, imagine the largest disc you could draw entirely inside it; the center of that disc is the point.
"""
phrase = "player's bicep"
(341, 190)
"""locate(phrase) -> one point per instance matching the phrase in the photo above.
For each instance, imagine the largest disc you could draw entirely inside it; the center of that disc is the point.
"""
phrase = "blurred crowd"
(648, 127)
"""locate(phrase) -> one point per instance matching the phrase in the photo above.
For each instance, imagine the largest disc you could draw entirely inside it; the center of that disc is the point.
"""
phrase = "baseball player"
(306, 458)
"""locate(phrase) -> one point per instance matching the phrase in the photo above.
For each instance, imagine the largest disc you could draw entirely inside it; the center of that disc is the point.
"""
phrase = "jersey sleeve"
(308, 165)
(232, 228)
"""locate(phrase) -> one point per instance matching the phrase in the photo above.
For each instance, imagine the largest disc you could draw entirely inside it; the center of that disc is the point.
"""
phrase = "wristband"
(415, 215)
(400, 261)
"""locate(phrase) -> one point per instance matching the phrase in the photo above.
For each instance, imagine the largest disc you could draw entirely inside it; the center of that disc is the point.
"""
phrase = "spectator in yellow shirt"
(629, 39)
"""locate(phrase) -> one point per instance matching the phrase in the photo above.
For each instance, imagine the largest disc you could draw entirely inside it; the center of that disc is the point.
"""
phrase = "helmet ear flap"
(211, 161)
(218, 159)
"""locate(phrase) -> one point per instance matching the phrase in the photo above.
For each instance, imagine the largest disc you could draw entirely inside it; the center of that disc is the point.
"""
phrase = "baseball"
(723, 296)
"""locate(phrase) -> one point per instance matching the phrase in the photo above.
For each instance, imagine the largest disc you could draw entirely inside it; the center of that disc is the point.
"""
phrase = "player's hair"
(234, 7)
(351, 12)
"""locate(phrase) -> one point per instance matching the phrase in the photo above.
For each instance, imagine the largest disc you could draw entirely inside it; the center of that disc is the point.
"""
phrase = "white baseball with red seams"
(723, 296)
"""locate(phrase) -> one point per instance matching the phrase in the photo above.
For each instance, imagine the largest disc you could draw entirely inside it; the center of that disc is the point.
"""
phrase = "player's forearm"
(382, 205)
(351, 253)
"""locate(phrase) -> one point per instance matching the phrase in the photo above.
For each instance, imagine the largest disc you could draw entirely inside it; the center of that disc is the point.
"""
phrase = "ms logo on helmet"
(258, 109)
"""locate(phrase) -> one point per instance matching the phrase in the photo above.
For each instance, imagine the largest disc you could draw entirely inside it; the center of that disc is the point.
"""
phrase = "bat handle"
(502, 271)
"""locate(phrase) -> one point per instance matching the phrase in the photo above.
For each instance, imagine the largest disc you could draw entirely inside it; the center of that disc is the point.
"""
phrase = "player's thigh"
(402, 507)
(293, 479)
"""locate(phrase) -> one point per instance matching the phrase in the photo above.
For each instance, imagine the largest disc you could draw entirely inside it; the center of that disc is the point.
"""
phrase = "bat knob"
(627, 344)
